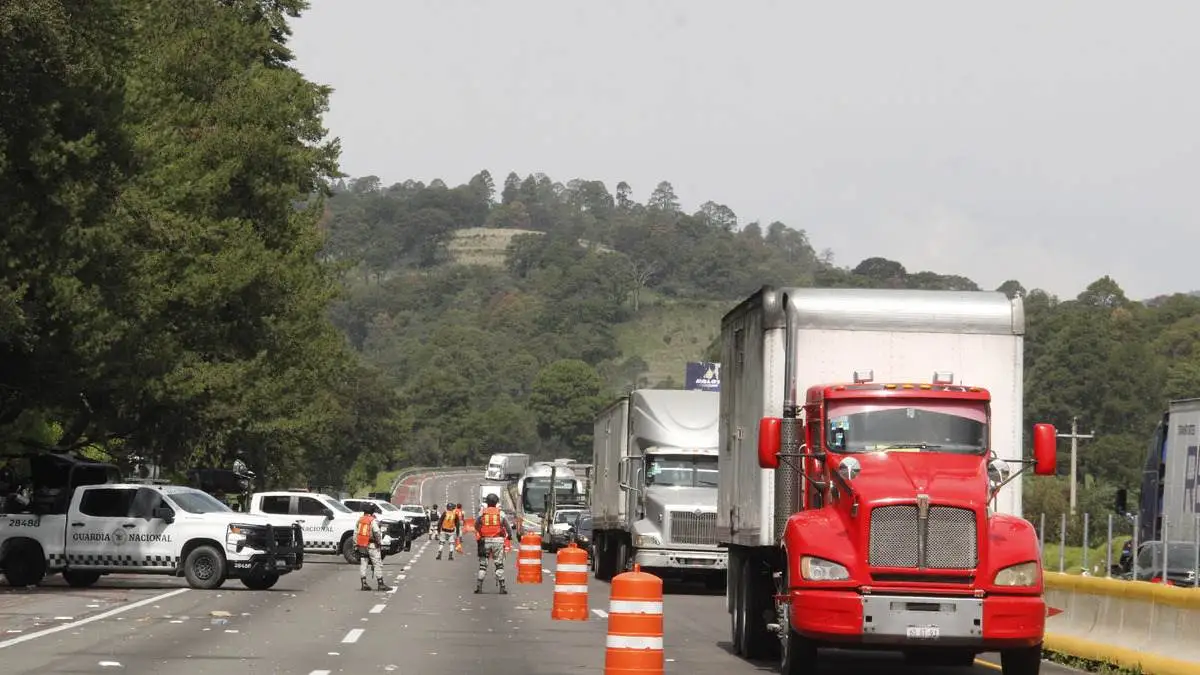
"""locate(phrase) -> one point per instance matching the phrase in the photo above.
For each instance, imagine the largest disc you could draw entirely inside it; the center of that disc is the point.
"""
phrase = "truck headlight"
(643, 540)
(1024, 574)
(819, 569)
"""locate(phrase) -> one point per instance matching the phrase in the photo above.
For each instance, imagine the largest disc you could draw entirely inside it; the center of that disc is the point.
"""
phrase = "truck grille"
(284, 536)
(697, 529)
(949, 539)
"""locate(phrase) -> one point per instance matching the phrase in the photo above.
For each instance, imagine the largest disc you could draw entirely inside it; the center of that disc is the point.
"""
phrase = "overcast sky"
(1053, 143)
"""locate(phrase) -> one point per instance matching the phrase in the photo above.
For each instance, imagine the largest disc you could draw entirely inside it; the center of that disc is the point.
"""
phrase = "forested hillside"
(504, 319)
(187, 277)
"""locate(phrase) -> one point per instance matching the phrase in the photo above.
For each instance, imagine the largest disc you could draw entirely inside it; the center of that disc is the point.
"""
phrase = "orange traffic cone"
(529, 560)
(635, 625)
(571, 585)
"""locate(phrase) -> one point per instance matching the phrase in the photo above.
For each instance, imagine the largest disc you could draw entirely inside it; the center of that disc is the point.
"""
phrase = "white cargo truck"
(845, 415)
(1171, 478)
(654, 495)
(506, 466)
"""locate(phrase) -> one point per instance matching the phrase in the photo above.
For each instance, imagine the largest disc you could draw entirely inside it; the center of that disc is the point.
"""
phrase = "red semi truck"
(870, 515)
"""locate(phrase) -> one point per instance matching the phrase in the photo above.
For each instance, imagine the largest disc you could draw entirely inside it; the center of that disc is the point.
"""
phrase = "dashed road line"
(319, 672)
(353, 636)
(377, 609)
(91, 619)
(600, 613)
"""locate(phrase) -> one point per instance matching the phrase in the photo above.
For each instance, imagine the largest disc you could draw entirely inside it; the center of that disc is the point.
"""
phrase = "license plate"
(281, 564)
(923, 632)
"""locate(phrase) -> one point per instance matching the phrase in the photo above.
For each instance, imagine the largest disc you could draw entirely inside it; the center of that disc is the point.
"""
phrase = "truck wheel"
(80, 578)
(260, 581)
(1026, 661)
(349, 550)
(204, 568)
(798, 655)
(756, 598)
(24, 565)
(733, 598)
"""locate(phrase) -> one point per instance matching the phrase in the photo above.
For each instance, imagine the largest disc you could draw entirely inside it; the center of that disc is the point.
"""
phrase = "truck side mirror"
(769, 439)
(164, 513)
(328, 512)
(1122, 503)
(1045, 449)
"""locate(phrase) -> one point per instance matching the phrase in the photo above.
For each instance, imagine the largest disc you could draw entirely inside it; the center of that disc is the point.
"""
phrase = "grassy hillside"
(668, 334)
(482, 245)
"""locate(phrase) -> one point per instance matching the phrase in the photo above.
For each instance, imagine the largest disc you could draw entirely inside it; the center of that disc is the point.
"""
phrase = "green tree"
(564, 401)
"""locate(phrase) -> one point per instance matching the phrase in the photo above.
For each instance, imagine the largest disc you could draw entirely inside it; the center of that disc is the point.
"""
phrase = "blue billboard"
(703, 376)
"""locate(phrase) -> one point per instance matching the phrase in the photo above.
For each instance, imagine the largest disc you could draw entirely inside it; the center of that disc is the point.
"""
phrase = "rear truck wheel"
(80, 578)
(797, 654)
(602, 559)
(715, 581)
(349, 550)
(260, 581)
(204, 568)
(1024, 661)
(24, 565)
(756, 598)
(733, 599)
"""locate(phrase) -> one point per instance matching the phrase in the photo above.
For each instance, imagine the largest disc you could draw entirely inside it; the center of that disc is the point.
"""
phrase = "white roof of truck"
(881, 309)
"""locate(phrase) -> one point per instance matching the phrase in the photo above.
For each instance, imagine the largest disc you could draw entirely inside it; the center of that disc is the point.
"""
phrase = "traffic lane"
(696, 639)
(439, 626)
(52, 603)
(202, 632)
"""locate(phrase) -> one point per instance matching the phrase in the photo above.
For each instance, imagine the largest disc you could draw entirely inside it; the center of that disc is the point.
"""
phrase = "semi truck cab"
(890, 539)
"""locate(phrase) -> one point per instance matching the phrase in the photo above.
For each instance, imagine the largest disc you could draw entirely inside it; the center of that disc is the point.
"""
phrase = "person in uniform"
(447, 531)
(369, 539)
(491, 530)
(433, 522)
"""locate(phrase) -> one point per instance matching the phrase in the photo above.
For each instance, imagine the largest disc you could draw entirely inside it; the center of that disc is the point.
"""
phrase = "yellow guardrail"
(1132, 624)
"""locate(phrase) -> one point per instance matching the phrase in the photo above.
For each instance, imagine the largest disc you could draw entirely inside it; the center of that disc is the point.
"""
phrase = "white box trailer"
(902, 335)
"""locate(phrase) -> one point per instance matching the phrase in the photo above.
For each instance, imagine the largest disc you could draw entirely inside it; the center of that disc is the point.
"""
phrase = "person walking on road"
(448, 528)
(433, 522)
(369, 538)
(491, 531)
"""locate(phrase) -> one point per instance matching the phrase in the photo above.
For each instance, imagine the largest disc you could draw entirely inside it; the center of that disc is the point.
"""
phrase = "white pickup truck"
(131, 528)
(327, 524)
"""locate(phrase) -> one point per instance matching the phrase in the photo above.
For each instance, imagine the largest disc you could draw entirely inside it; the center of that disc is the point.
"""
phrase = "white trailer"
(506, 466)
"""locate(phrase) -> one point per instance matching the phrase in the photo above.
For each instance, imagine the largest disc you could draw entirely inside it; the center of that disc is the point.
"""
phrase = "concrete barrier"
(1132, 624)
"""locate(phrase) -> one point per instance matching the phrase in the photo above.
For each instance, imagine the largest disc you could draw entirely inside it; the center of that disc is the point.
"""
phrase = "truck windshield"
(1180, 556)
(536, 490)
(335, 504)
(386, 506)
(931, 426)
(681, 470)
(195, 501)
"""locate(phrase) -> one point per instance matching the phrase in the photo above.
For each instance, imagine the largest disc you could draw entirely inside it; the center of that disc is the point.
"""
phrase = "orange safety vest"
(448, 520)
(362, 533)
(490, 524)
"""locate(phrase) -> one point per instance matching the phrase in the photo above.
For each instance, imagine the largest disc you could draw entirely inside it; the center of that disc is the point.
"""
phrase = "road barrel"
(571, 585)
(635, 625)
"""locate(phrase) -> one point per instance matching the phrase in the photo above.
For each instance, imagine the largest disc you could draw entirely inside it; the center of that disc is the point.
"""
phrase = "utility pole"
(1075, 436)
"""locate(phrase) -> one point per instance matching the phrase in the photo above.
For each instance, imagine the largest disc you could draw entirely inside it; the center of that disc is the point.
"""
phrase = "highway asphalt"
(317, 622)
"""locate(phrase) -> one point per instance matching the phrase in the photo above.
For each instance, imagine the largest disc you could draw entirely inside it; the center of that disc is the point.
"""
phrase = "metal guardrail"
(416, 470)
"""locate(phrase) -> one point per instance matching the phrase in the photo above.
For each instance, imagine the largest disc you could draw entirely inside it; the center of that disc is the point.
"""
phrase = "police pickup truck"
(130, 528)
(327, 524)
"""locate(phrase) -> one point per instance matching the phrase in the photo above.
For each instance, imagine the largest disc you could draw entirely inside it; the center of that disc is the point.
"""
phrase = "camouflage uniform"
(492, 547)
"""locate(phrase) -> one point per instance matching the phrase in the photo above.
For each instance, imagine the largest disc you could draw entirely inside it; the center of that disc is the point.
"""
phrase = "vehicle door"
(317, 521)
(153, 538)
(99, 528)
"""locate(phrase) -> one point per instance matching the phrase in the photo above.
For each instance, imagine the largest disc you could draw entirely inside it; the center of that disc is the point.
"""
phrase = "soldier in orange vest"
(448, 531)
(491, 530)
(368, 537)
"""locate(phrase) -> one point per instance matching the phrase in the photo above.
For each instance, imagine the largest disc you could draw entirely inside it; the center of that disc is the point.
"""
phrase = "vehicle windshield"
(195, 501)
(411, 508)
(386, 506)
(960, 428)
(1180, 556)
(568, 517)
(681, 470)
(335, 504)
(536, 490)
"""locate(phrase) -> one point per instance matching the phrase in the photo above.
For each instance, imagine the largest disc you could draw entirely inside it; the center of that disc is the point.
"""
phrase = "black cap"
(492, 500)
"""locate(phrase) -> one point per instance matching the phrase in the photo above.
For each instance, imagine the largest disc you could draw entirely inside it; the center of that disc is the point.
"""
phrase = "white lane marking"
(600, 613)
(401, 577)
(110, 664)
(353, 636)
(319, 672)
(91, 619)
(377, 609)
